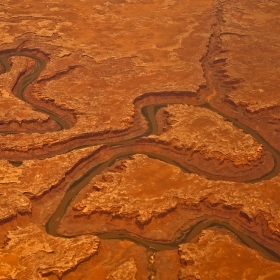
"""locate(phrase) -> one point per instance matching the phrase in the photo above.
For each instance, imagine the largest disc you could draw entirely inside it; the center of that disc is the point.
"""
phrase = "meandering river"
(149, 112)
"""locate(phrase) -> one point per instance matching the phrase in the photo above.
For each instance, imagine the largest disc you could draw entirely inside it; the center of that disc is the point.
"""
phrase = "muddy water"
(29, 79)
(184, 236)
(189, 234)
(276, 154)
(78, 185)
(149, 112)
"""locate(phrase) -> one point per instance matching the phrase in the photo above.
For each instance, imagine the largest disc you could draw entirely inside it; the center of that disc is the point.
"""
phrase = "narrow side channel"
(29, 79)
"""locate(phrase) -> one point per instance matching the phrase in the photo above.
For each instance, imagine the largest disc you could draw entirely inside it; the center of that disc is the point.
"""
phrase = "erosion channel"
(149, 112)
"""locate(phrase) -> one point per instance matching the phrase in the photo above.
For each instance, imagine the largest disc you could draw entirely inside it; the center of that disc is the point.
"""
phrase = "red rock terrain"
(139, 139)
(229, 260)
(142, 195)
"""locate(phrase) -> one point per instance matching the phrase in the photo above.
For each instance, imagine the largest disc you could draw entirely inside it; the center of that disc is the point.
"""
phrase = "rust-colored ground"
(214, 65)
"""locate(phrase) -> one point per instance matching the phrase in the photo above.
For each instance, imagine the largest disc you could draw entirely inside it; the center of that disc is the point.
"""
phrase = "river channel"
(149, 112)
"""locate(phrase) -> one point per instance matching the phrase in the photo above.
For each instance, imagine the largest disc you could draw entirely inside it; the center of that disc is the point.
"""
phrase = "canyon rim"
(140, 139)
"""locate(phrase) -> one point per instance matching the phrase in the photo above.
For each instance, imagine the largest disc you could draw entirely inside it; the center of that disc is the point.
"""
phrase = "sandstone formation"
(126, 271)
(100, 74)
(208, 142)
(229, 260)
(144, 123)
(34, 178)
(143, 195)
(241, 262)
(32, 190)
(209, 133)
(30, 253)
(115, 259)
(244, 64)
(17, 116)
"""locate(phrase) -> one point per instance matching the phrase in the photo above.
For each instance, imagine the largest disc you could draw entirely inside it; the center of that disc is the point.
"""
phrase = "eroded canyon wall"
(140, 139)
